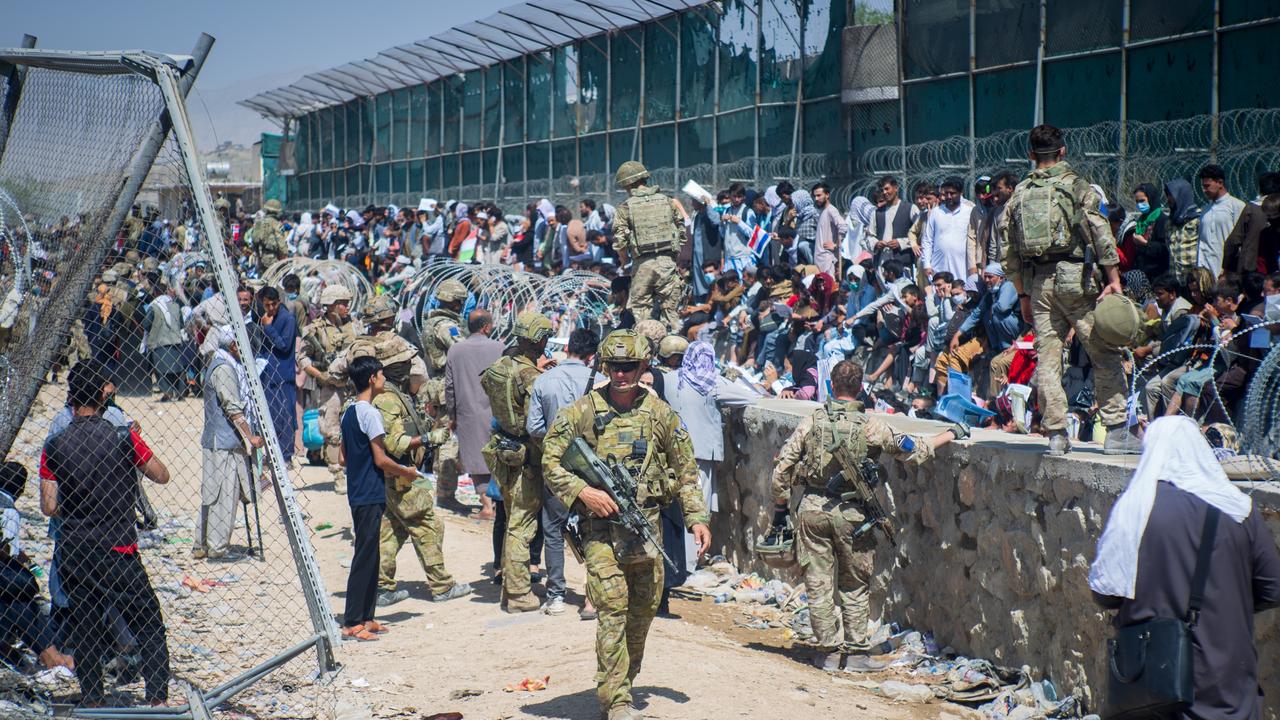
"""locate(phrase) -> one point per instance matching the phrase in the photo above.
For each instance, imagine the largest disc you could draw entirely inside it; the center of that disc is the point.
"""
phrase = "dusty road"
(435, 654)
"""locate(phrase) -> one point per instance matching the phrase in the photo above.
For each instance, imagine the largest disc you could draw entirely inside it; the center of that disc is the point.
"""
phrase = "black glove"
(960, 430)
(780, 518)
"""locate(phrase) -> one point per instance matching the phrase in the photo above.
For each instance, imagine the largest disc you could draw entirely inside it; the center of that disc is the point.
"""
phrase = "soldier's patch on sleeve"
(453, 332)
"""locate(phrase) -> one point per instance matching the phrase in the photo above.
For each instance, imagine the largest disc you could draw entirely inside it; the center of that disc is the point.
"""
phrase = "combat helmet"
(672, 345)
(334, 294)
(532, 326)
(777, 549)
(272, 207)
(381, 307)
(629, 173)
(1117, 321)
(451, 291)
(625, 346)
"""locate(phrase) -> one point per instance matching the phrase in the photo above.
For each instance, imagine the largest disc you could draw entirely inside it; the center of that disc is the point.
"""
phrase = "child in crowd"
(367, 464)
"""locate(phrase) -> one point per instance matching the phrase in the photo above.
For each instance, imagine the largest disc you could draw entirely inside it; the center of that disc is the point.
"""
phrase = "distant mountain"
(216, 118)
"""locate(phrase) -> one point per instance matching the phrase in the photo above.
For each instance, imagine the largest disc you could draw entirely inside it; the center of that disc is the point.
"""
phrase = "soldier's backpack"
(499, 382)
(654, 233)
(1048, 212)
(836, 444)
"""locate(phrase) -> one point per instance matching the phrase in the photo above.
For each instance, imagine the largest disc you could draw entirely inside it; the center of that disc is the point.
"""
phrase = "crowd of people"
(985, 311)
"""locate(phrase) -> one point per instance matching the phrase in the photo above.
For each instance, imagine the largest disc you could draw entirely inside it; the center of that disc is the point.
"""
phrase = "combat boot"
(527, 602)
(1059, 444)
(624, 712)
(828, 661)
(1121, 442)
(861, 662)
(340, 483)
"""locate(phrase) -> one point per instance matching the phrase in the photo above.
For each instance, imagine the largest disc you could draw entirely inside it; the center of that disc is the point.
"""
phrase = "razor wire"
(315, 275)
(74, 136)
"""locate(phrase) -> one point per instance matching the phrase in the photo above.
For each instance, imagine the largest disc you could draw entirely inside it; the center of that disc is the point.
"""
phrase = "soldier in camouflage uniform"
(1057, 240)
(832, 542)
(443, 326)
(444, 463)
(649, 231)
(269, 237)
(322, 342)
(513, 456)
(624, 577)
(133, 227)
(410, 513)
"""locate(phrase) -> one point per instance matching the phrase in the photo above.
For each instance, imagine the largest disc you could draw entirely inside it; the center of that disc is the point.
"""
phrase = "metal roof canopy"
(504, 36)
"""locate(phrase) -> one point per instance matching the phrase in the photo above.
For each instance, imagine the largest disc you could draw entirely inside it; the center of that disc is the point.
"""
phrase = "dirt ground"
(458, 656)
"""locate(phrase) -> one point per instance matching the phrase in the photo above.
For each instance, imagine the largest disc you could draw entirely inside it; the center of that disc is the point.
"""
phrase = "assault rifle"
(876, 515)
(613, 478)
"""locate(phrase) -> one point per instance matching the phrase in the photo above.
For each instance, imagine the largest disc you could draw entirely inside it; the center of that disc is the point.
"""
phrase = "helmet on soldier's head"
(625, 346)
(149, 264)
(273, 206)
(1117, 321)
(391, 349)
(221, 204)
(132, 257)
(109, 276)
(334, 294)
(532, 326)
(654, 330)
(629, 173)
(451, 291)
(672, 345)
(381, 307)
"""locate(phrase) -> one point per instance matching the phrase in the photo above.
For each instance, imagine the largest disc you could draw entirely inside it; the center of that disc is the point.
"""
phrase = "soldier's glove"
(960, 431)
(779, 519)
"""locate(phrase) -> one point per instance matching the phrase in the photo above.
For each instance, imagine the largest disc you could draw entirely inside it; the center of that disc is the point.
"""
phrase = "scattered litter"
(324, 526)
(464, 693)
(444, 716)
(896, 690)
(359, 682)
(529, 685)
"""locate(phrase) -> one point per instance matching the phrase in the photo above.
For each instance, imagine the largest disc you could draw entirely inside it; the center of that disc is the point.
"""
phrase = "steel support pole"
(295, 528)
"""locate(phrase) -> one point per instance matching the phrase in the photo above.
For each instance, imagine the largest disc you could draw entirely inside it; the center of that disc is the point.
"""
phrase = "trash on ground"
(529, 685)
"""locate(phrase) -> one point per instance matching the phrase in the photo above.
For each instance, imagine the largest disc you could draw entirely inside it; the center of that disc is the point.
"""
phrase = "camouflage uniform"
(439, 333)
(410, 511)
(825, 524)
(1063, 299)
(509, 383)
(323, 342)
(650, 230)
(624, 575)
(445, 462)
(133, 227)
(269, 237)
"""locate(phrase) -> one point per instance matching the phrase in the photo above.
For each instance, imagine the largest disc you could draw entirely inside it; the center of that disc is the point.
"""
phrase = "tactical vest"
(436, 351)
(325, 340)
(653, 233)
(629, 440)
(414, 423)
(501, 382)
(836, 444)
(268, 235)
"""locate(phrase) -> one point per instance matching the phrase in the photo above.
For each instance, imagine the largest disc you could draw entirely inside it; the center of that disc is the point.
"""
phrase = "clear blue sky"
(260, 45)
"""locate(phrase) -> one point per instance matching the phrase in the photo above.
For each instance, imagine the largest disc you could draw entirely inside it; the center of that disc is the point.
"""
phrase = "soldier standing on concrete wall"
(648, 231)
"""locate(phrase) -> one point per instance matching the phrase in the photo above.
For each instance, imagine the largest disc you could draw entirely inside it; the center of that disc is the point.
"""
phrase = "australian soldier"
(410, 511)
(826, 457)
(269, 236)
(323, 341)
(513, 456)
(635, 429)
(648, 232)
(443, 326)
(1057, 242)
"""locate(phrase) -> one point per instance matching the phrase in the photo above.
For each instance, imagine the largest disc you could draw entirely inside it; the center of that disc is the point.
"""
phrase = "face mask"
(710, 277)
(1144, 207)
(292, 296)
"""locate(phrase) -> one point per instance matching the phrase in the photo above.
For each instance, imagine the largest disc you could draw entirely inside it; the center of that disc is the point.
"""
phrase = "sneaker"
(1059, 444)
(458, 590)
(828, 661)
(554, 606)
(1121, 442)
(393, 597)
(863, 663)
(527, 602)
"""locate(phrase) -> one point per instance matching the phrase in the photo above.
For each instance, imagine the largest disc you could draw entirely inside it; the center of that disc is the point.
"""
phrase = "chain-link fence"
(151, 536)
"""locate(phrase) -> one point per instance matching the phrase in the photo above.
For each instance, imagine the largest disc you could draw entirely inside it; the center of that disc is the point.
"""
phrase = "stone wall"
(994, 544)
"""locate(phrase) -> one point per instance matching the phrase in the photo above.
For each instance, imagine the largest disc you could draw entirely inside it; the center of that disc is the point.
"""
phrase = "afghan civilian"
(826, 252)
(1218, 220)
(944, 242)
(467, 403)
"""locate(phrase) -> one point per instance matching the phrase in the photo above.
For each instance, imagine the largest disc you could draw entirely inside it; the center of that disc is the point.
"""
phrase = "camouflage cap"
(652, 329)
(629, 173)
(532, 326)
(334, 294)
(149, 263)
(672, 345)
(381, 307)
(123, 269)
(132, 257)
(625, 346)
(109, 276)
(1117, 321)
(273, 206)
(451, 291)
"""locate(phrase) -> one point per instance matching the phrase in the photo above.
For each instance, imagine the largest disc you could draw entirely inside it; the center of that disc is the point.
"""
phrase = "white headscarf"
(771, 197)
(546, 209)
(1173, 450)
(225, 338)
(861, 209)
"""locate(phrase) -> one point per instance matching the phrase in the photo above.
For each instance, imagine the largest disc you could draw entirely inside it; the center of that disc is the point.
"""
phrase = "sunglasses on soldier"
(623, 366)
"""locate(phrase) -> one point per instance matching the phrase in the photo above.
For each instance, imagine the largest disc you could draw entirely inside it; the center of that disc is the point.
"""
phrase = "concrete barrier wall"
(994, 544)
